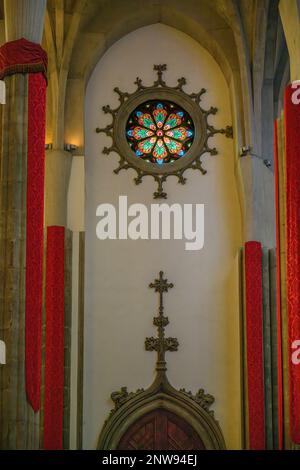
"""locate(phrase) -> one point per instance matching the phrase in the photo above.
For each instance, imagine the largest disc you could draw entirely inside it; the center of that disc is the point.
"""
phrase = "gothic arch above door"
(191, 411)
(161, 417)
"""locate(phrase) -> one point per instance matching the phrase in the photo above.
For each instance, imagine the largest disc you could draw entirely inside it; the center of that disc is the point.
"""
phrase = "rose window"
(160, 132)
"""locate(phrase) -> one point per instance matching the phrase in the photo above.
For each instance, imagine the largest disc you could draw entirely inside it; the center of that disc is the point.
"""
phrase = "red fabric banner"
(278, 291)
(34, 236)
(254, 331)
(292, 131)
(54, 360)
(22, 56)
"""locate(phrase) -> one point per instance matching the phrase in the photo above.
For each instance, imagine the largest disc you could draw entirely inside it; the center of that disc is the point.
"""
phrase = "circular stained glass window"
(160, 132)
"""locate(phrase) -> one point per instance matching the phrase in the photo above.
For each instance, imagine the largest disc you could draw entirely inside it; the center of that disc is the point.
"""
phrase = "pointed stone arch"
(193, 409)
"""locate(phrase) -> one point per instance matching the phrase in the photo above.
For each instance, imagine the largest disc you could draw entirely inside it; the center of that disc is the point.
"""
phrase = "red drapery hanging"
(23, 56)
(35, 236)
(254, 331)
(54, 359)
(292, 131)
(278, 291)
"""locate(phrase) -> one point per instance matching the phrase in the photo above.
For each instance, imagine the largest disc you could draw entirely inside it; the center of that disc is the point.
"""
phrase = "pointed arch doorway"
(161, 417)
(161, 430)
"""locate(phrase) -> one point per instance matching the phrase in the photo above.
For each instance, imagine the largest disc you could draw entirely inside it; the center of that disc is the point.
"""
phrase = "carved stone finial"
(201, 398)
(161, 344)
(119, 397)
(122, 396)
(160, 69)
(161, 285)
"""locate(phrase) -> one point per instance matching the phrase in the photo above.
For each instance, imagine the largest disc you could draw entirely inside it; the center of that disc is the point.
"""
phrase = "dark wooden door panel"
(161, 430)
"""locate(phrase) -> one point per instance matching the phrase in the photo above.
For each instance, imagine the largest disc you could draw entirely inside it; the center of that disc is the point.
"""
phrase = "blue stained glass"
(159, 132)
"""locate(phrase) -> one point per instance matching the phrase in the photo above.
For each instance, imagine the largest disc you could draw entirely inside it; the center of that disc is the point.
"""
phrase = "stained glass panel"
(160, 132)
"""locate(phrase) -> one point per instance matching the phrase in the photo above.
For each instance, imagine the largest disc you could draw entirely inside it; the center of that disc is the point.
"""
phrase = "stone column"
(57, 175)
(64, 192)
(24, 19)
(19, 425)
(76, 223)
(290, 17)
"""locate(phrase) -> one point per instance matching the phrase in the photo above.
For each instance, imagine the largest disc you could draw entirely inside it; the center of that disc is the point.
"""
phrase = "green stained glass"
(160, 132)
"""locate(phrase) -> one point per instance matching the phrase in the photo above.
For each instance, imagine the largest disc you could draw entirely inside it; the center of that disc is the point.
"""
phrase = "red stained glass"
(160, 132)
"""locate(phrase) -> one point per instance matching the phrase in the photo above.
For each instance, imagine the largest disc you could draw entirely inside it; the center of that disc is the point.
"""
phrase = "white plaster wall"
(203, 306)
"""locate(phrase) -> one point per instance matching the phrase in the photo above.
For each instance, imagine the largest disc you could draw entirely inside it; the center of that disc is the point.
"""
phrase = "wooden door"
(161, 430)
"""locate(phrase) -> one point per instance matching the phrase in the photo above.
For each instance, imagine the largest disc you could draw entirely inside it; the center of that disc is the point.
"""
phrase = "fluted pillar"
(58, 169)
(290, 17)
(19, 424)
(24, 19)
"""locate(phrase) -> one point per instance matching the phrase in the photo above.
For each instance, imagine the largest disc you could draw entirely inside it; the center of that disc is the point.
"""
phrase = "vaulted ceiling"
(244, 36)
(232, 22)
